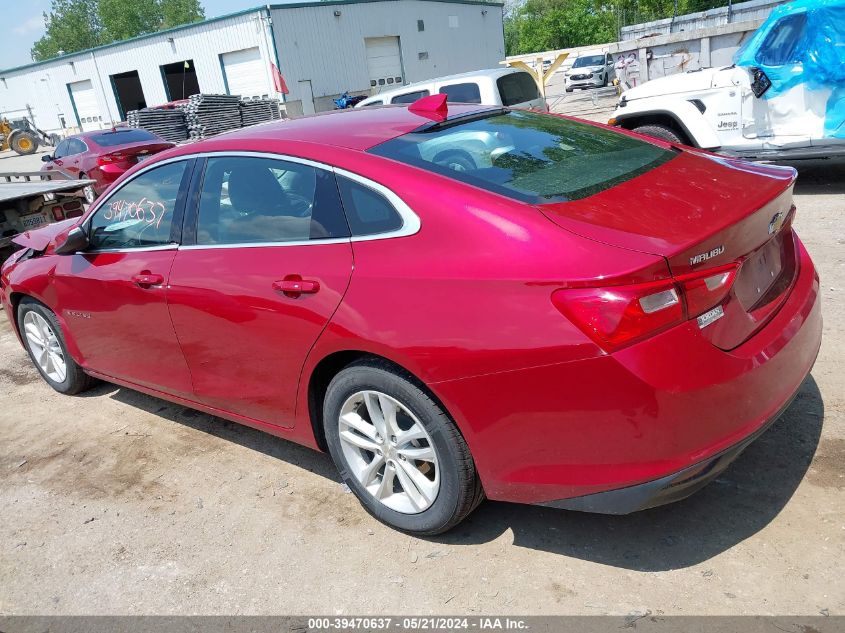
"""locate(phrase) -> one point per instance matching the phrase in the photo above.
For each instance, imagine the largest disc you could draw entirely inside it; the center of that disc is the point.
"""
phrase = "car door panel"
(123, 328)
(245, 341)
(248, 300)
(114, 295)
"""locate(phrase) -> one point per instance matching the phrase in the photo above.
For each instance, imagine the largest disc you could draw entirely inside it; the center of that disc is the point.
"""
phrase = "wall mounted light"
(337, 14)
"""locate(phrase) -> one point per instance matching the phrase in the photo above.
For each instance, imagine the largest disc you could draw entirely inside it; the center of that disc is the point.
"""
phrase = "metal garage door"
(245, 73)
(384, 60)
(85, 104)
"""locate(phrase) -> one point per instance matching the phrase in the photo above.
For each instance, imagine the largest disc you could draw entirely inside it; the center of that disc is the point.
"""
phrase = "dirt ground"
(114, 502)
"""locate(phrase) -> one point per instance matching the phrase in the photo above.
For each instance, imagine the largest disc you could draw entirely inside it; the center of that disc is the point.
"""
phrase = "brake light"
(108, 159)
(616, 316)
(705, 290)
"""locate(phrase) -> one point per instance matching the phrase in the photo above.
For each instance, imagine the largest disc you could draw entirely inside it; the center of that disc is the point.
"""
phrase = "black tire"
(570, 89)
(455, 159)
(460, 488)
(24, 143)
(606, 78)
(662, 132)
(76, 380)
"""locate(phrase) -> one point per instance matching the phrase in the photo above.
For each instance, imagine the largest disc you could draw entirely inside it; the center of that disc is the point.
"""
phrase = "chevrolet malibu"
(566, 315)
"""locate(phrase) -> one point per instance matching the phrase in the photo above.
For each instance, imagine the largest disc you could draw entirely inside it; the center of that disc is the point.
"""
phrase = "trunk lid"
(701, 211)
(130, 154)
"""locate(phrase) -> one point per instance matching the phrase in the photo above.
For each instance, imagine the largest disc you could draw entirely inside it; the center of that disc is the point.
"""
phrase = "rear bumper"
(662, 414)
(668, 489)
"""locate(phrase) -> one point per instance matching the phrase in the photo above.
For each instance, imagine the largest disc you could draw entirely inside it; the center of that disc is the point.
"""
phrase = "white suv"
(782, 99)
(498, 86)
(590, 70)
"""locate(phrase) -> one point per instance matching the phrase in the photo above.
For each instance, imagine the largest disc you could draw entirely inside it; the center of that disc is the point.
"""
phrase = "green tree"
(74, 25)
(71, 25)
(176, 12)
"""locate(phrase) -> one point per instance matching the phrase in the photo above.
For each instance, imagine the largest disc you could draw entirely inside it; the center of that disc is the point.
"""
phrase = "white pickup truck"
(783, 98)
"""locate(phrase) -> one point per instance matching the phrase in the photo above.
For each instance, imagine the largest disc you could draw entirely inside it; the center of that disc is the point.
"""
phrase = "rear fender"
(679, 112)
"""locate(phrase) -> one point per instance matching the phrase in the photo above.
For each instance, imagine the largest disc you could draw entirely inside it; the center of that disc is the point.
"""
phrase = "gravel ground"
(114, 502)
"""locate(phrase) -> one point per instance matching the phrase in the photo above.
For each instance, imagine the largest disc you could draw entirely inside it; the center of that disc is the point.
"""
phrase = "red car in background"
(103, 155)
(455, 304)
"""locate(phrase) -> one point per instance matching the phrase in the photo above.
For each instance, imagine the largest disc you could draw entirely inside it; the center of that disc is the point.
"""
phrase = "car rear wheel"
(398, 451)
(45, 343)
(659, 131)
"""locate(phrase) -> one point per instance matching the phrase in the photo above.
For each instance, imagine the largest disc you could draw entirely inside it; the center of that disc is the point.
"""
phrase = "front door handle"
(147, 279)
(293, 286)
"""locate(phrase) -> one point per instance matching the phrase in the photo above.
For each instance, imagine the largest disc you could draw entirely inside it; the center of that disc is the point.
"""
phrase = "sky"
(24, 24)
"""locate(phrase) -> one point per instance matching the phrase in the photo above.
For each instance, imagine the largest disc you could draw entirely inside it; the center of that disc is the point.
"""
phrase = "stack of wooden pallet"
(168, 124)
(208, 115)
(254, 111)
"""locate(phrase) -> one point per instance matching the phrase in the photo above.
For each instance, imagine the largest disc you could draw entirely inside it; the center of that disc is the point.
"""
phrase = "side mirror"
(76, 240)
(46, 158)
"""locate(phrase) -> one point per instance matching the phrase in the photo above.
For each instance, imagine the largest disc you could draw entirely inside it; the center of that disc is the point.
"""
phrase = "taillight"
(58, 213)
(705, 290)
(616, 316)
(108, 159)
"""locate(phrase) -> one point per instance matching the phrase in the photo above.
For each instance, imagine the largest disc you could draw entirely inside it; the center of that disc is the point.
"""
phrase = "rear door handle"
(293, 286)
(145, 280)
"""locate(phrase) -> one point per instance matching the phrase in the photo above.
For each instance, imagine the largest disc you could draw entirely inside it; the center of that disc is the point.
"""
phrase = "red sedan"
(103, 155)
(479, 302)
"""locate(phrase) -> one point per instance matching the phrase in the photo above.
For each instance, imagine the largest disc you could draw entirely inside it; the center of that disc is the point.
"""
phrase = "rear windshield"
(120, 137)
(517, 88)
(535, 158)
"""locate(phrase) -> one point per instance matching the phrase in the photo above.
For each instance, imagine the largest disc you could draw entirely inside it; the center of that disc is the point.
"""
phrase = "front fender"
(681, 111)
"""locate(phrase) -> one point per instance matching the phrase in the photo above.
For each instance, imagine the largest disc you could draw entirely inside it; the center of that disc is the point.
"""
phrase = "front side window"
(462, 93)
(140, 213)
(61, 149)
(254, 200)
(781, 44)
(516, 88)
(410, 97)
(535, 158)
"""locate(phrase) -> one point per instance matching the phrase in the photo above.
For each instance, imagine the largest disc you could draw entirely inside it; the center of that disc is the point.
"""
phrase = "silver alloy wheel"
(44, 346)
(389, 451)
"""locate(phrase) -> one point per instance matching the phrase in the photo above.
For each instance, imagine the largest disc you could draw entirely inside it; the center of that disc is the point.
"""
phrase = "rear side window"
(517, 88)
(781, 43)
(75, 146)
(372, 103)
(140, 213)
(462, 93)
(255, 200)
(121, 137)
(535, 158)
(367, 211)
(410, 97)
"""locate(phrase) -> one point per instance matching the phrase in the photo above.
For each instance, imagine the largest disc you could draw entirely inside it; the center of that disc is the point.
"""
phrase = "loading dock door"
(85, 105)
(384, 60)
(245, 73)
(128, 92)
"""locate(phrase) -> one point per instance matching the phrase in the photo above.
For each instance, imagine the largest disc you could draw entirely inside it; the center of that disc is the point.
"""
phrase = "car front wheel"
(45, 343)
(398, 451)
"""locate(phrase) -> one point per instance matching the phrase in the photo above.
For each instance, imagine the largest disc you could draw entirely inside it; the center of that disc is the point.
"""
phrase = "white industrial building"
(321, 48)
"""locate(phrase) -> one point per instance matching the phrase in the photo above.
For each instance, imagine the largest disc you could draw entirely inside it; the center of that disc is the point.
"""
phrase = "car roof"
(356, 129)
(493, 73)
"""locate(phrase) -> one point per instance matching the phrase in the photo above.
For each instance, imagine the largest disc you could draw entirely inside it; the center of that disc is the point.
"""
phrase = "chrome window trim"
(172, 246)
(410, 220)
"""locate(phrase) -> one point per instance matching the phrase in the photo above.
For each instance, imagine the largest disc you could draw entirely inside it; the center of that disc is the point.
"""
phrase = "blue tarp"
(808, 48)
